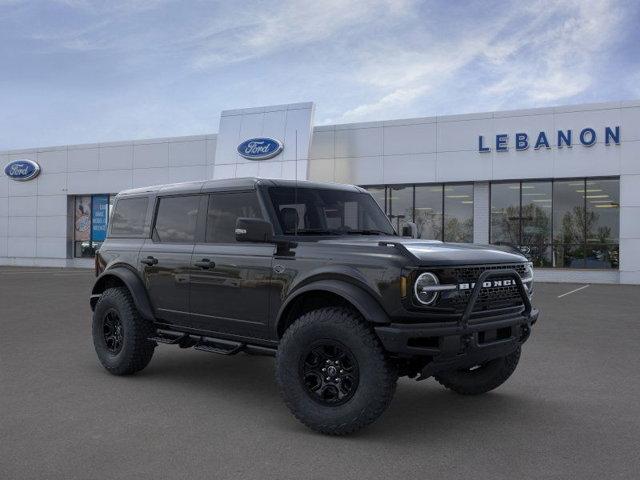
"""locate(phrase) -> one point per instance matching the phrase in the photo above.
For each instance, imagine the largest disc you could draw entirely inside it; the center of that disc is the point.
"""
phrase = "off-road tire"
(482, 379)
(377, 374)
(136, 350)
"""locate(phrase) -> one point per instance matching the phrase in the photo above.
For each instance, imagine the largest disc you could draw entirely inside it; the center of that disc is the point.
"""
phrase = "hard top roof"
(234, 184)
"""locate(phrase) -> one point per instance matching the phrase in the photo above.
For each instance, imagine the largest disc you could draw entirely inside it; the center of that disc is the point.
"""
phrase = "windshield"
(307, 211)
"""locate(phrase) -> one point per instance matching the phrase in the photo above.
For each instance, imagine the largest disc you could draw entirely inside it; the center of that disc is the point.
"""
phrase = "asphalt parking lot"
(571, 410)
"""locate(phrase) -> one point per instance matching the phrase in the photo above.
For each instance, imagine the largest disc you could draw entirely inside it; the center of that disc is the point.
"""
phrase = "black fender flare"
(364, 302)
(132, 281)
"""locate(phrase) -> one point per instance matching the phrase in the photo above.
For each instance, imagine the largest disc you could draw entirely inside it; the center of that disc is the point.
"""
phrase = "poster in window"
(99, 217)
(82, 229)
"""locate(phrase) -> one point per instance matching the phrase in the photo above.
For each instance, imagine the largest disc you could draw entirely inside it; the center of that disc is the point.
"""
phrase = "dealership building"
(562, 184)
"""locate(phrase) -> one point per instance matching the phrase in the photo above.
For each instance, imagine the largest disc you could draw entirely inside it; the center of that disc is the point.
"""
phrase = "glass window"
(224, 209)
(128, 217)
(536, 222)
(91, 218)
(176, 219)
(400, 206)
(378, 194)
(458, 213)
(603, 223)
(428, 211)
(306, 211)
(505, 214)
(569, 223)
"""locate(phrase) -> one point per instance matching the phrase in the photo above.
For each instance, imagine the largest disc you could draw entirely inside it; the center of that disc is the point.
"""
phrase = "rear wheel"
(120, 334)
(333, 373)
(480, 378)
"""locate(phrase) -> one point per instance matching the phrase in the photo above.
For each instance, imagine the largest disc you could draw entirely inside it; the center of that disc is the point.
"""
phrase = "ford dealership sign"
(564, 138)
(22, 170)
(260, 148)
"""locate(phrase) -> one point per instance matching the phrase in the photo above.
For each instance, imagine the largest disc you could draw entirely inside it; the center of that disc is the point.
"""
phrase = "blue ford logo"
(260, 148)
(22, 170)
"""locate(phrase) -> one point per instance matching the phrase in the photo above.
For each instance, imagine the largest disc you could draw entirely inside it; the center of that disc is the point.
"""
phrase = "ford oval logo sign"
(260, 148)
(22, 170)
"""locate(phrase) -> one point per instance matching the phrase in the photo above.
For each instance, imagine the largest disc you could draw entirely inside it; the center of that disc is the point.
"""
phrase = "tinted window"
(311, 211)
(400, 206)
(224, 209)
(505, 213)
(176, 219)
(128, 216)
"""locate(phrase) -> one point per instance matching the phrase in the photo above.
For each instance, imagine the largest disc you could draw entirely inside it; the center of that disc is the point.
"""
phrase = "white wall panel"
(144, 177)
(151, 155)
(117, 157)
(22, 227)
(22, 189)
(630, 157)
(322, 170)
(322, 144)
(360, 171)
(359, 142)
(83, 159)
(187, 174)
(52, 161)
(22, 206)
(51, 247)
(52, 226)
(463, 166)
(84, 182)
(463, 135)
(51, 205)
(4, 206)
(630, 124)
(420, 138)
(52, 183)
(188, 153)
(406, 168)
(21, 246)
(247, 169)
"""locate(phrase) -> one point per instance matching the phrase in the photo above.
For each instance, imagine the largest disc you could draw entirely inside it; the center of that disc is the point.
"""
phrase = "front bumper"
(466, 342)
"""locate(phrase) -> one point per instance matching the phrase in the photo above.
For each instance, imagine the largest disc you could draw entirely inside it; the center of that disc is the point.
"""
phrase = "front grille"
(490, 298)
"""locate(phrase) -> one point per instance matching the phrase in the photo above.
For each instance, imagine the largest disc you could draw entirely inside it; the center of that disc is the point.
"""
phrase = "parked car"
(315, 275)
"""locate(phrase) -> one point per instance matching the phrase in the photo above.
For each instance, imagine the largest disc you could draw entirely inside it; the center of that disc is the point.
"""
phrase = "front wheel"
(480, 378)
(333, 373)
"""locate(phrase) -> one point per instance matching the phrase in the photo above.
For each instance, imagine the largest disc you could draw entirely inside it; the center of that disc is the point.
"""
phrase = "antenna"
(295, 187)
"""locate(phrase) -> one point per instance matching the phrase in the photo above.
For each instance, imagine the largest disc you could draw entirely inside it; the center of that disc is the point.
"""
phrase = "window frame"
(155, 219)
(204, 213)
(144, 233)
(553, 243)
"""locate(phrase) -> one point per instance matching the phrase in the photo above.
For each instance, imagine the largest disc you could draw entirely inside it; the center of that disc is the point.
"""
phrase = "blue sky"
(77, 71)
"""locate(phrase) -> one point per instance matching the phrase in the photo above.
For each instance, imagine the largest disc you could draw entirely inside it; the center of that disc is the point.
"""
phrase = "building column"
(481, 209)
(629, 229)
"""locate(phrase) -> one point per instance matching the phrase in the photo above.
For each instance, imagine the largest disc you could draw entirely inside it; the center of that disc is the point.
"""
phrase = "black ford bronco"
(315, 275)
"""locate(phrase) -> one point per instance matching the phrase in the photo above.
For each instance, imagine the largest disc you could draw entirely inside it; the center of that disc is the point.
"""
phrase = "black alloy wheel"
(112, 331)
(329, 373)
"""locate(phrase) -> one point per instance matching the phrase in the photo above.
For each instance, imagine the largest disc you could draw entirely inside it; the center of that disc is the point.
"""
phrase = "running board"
(220, 346)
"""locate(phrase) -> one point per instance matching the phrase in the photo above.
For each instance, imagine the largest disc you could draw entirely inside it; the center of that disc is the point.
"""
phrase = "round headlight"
(421, 289)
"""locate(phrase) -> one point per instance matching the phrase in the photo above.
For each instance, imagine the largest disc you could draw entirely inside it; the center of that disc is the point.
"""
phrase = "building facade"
(561, 184)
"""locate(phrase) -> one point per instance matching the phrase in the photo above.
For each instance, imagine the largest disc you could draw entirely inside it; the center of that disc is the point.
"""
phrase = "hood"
(432, 252)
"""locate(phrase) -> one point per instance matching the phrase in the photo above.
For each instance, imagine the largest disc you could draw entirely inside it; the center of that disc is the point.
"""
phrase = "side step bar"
(208, 344)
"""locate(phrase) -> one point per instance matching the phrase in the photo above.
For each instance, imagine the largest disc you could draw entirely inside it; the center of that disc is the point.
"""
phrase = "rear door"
(230, 281)
(166, 257)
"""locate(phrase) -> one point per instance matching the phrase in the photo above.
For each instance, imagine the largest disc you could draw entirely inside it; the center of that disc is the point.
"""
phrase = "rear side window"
(224, 209)
(127, 219)
(176, 219)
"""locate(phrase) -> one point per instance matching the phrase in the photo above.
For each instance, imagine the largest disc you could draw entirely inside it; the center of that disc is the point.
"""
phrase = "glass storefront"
(561, 223)
(440, 211)
(91, 218)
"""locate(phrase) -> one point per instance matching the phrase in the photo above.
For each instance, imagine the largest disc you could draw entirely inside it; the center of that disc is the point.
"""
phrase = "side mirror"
(410, 230)
(254, 230)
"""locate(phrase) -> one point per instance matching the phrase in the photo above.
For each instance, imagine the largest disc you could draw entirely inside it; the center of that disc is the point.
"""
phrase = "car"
(315, 275)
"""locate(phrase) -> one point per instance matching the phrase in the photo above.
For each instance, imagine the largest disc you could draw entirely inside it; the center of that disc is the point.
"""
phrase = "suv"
(315, 275)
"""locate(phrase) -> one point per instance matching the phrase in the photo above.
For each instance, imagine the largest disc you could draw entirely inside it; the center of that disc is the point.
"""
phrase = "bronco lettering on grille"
(488, 284)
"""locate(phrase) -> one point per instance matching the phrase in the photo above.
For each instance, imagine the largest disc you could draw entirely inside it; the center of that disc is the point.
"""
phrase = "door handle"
(149, 260)
(205, 264)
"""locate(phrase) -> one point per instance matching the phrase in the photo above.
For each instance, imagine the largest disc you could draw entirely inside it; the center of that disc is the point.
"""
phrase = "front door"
(230, 281)
(166, 257)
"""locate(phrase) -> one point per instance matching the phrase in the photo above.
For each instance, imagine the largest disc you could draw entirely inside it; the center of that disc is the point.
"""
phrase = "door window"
(224, 209)
(176, 219)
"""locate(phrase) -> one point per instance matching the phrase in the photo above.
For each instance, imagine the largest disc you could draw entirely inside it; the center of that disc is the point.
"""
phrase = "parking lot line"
(573, 291)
